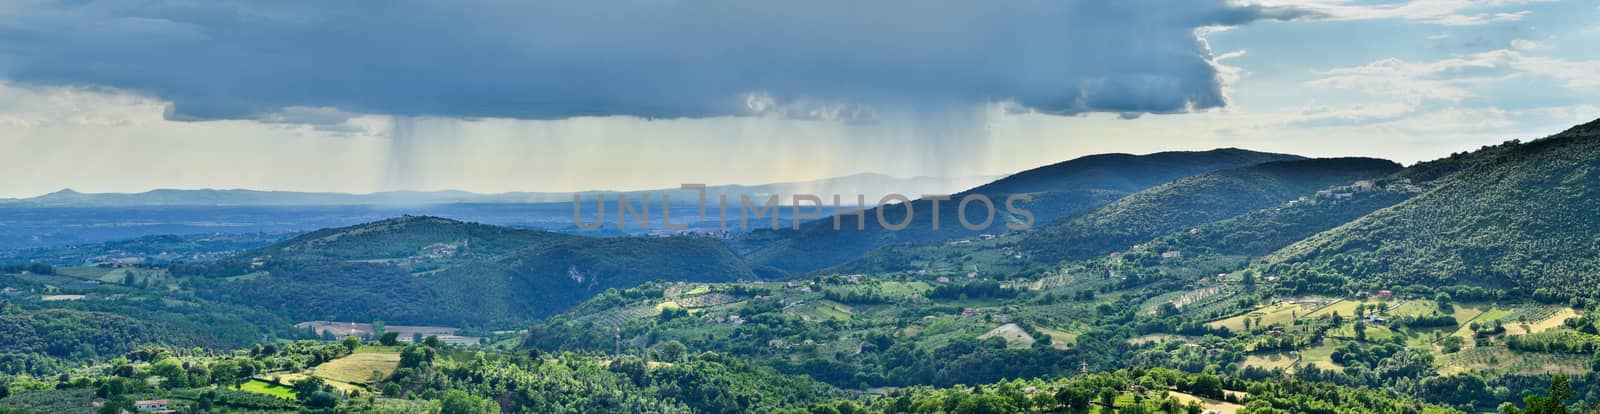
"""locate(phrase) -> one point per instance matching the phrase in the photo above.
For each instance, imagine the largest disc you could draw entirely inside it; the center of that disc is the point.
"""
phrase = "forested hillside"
(43, 341)
(1266, 230)
(1518, 216)
(439, 271)
(405, 237)
(1194, 201)
(1058, 190)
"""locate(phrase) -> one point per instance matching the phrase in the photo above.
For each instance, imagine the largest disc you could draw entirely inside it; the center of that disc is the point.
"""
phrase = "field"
(263, 387)
(152, 277)
(1219, 407)
(1059, 339)
(1502, 360)
(1375, 333)
(358, 368)
(1156, 339)
(1278, 313)
(1014, 335)
(1271, 361)
(1321, 356)
(821, 310)
(1552, 321)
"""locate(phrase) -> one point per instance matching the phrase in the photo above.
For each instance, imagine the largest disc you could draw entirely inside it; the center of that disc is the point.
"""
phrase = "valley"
(1229, 280)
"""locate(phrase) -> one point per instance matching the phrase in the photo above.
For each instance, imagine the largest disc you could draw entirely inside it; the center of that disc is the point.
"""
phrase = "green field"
(1279, 360)
(267, 388)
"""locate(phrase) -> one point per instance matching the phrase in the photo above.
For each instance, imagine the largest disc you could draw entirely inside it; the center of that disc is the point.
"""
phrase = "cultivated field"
(359, 368)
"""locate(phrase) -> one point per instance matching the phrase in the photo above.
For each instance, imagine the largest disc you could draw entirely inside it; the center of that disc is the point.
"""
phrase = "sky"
(496, 96)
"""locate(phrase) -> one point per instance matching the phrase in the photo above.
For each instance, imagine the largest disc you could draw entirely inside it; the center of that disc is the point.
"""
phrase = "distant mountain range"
(871, 184)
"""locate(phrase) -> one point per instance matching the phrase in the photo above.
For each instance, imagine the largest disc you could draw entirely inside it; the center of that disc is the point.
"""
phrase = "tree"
(1554, 402)
(351, 343)
(671, 351)
(414, 356)
(432, 341)
(984, 404)
(172, 373)
(305, 387)
(458, 402)
(1207, 385)
(392, 390)
(321, 399)
(1451, 344)
(117, 405)
(1076, 398)
(389, 339)
(225, 372)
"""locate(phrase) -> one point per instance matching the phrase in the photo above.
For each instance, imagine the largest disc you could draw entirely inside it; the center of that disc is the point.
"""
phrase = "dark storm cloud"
(649, 58)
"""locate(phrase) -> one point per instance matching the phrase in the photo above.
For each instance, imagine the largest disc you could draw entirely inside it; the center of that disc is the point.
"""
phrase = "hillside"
(438, 271)
(1263, 231)
(1058, 190)
(40, 341)
(1193, 201)
(406, 237)
(1518, 216)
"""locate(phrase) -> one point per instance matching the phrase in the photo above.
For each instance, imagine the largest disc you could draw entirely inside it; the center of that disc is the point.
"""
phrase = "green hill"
(1518, 216)
(1188, 202)
(1058, 190)
(1263, 231)
(440, 271)
(40, 341)
(406, 237)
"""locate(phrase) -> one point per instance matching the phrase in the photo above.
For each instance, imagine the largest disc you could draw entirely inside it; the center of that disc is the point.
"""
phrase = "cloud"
(321, 62)
(1461, 77)
(1439, 12)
